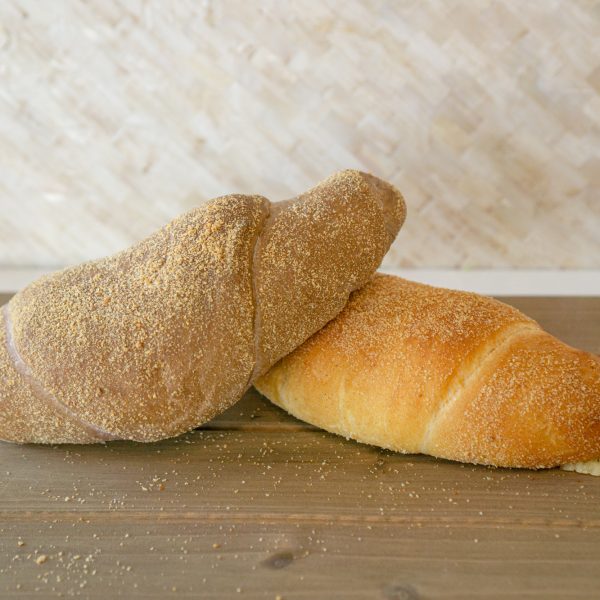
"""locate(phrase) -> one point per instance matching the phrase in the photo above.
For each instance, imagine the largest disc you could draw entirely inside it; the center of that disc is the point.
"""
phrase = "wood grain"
(258, 505)
(302, 515)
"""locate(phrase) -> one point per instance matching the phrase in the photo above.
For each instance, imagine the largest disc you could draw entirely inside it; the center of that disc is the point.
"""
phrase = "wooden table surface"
(259, 505)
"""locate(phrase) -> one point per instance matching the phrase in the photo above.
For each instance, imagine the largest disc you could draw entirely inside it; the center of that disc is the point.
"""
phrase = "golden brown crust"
(159, 338)
(420, 369)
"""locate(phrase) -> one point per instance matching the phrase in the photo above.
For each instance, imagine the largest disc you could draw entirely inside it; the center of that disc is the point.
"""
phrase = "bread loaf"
(420, 369)
(157, 339)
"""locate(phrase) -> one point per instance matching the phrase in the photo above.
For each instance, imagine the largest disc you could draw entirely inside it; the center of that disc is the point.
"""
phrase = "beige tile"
(116, 116)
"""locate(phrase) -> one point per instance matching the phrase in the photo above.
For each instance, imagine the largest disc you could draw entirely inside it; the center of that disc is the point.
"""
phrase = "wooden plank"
(310, 474)
(296, 561)
(353, 520)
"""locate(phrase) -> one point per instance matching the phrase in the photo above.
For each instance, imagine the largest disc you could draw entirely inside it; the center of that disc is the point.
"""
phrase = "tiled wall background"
(117, 115)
